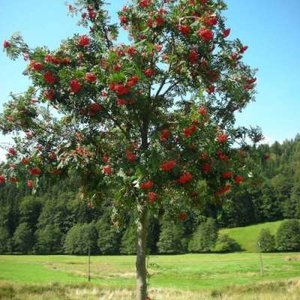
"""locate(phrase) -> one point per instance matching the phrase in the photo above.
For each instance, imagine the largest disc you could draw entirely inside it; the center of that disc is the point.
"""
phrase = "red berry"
(222, 138)
(107, 170)
(206, 168)
(123, 20)
(84, 41)
(94, 108)
(49, 94)
(144, 3)
(30, 184)
(130, 156)
(2, 179)
(182, 216)
(224, 190)
(243, 49)
(184, 29)
(203, 110)
(211, 89)
(36, 66)
(75, 86)
(210, 20)
(227, 175)
(6, 44)
(168, 165)
(92, 14)
(132, 51)
(12, 151)
(226, 32)
(147, 185)
(90, 77)
(105, 158)
(35, 171)
(164, 135)
(238, 179)
(251, 80)
(152, 197)
(206, 34)
(120, 89)
(193, 56)
(189, 131)
(121, 102)
(186, 177)
(132, 81)
(49, 77)
(149, 72)
(25, 161)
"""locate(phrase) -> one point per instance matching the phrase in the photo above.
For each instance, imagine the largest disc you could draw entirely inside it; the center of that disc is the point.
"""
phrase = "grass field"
(192, 276)
(247, 236)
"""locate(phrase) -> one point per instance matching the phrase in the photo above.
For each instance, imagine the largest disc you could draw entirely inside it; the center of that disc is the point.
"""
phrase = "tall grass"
(282, 290)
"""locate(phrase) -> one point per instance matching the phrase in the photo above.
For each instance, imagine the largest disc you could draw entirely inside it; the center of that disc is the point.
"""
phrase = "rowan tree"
(149, 125)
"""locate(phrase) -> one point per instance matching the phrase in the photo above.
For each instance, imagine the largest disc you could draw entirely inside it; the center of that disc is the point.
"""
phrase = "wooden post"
(89, 263)
(260, 260)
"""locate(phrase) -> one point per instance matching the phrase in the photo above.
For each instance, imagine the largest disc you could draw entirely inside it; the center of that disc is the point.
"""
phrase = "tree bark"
(141, 270)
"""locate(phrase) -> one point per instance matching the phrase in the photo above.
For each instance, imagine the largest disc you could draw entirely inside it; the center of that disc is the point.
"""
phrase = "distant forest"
(56, 220)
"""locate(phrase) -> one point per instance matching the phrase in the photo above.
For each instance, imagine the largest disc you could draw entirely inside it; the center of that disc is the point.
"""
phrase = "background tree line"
(57, 220)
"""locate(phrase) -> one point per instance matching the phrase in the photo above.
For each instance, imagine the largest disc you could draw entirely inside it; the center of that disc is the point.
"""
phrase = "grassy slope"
(247, 236)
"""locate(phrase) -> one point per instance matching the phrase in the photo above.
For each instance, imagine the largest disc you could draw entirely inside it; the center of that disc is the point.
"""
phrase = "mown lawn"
(191, 272)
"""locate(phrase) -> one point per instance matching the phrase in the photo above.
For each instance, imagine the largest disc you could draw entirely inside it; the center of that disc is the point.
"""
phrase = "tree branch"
(116, 123)
(170, 88)
(107, 40)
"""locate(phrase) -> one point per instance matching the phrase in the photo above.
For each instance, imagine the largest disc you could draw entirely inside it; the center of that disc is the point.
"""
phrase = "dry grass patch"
(280, 290)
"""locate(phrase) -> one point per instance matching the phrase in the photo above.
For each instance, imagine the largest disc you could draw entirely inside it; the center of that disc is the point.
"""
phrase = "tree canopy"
(149, 124)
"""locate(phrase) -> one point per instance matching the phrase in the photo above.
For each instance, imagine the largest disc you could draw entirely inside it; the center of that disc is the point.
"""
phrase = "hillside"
(247, 236)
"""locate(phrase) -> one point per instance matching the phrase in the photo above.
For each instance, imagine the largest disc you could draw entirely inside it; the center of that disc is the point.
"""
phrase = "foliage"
(4, 238)
(288, 236)
(108, 237)
(30, 209)
(266, 241)
(226, 244)
(81, 239)
(171, 238)
(57, 211)
(128, 241)
(48, 240)
(153, 235)
(23, 238)
(205, 237)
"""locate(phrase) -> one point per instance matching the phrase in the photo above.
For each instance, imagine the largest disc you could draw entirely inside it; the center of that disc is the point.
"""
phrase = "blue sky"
(269, 27)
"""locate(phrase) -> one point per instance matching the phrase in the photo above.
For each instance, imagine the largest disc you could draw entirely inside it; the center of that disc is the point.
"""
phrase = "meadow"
(247, 236)
(190, 276)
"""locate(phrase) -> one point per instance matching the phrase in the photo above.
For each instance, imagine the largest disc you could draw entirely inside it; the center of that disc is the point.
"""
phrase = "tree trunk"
(141, 271)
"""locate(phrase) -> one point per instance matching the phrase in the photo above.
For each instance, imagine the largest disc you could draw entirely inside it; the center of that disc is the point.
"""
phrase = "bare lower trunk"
(141, 271)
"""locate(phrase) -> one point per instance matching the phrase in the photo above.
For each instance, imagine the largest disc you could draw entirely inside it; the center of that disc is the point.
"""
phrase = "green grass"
(233, 276)
(247, 236)
(191, 275)
(190, 272)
